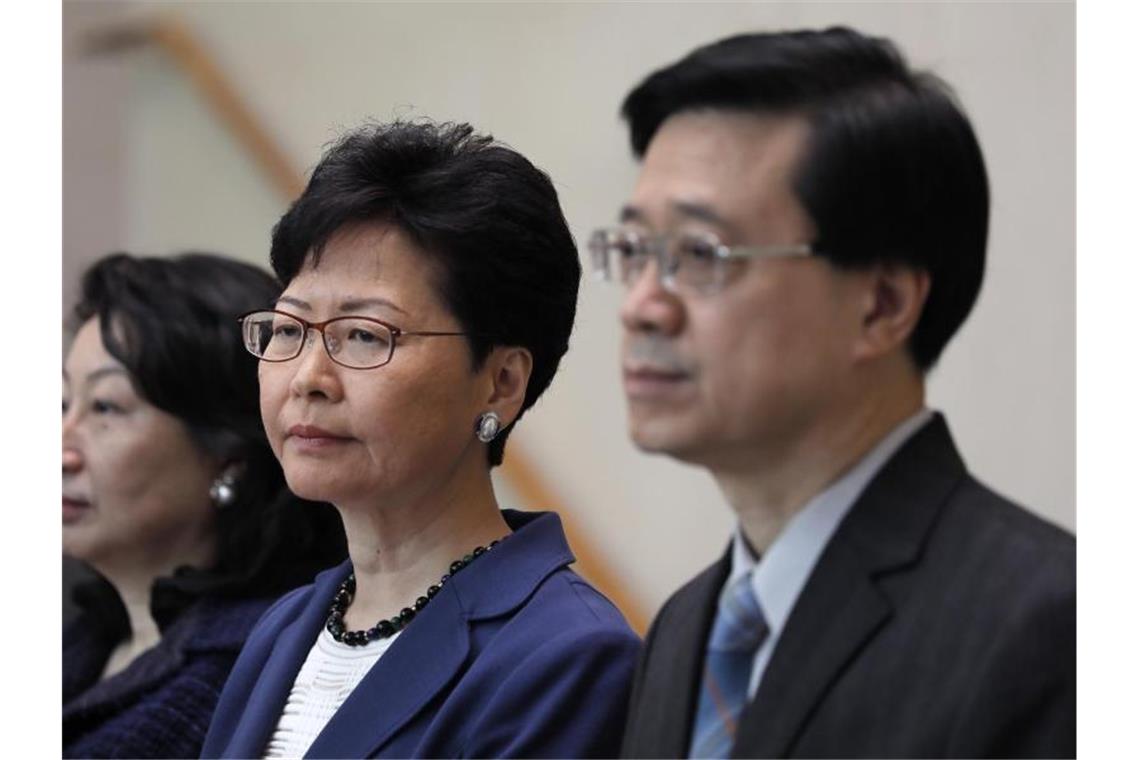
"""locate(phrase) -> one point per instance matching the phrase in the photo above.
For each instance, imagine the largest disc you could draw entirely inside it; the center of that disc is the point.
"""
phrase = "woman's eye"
(286, 331)
(65, 406)
(101, 406)
(360, 335)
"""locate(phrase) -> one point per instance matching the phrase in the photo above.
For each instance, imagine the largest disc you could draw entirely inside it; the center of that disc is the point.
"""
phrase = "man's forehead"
(716, 163)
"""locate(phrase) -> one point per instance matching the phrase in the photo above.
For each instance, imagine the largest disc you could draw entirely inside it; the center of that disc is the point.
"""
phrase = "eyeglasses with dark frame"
(696, 261)
(351, 341)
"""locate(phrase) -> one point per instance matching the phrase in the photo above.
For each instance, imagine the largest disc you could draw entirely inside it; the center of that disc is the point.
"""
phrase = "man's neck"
(776, 485)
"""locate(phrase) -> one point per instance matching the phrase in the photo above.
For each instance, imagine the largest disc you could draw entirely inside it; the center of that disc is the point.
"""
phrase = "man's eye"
(627, 244)
(698, 250)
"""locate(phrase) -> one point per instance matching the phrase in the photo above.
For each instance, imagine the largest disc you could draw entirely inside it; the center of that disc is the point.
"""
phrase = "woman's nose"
(72, 456)
(315, 372)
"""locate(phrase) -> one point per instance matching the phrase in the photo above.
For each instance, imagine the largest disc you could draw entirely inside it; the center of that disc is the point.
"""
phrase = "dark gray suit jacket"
(940, 621)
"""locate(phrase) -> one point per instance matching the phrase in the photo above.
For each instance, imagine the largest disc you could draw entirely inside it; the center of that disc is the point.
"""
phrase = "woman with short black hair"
(430, 290)
(173, 496)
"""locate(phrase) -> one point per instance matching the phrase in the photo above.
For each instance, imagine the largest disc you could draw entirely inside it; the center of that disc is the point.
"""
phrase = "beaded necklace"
(390, 627)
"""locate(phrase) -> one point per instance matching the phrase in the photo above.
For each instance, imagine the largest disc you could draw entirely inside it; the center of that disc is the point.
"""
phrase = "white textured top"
(330, 673)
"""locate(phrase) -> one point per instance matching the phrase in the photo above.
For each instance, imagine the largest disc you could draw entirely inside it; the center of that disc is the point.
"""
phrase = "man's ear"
(509, 370)
(891, 305)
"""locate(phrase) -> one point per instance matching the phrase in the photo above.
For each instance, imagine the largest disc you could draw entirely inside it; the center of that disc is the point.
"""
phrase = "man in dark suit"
(807, 233)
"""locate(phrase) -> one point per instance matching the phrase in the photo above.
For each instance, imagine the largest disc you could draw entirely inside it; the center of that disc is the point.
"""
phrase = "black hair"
(893, 172)
(172, 323)
(505, 262)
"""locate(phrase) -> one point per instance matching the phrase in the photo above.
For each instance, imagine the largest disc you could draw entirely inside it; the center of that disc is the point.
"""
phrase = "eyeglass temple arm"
(397, 332)
(769, 251)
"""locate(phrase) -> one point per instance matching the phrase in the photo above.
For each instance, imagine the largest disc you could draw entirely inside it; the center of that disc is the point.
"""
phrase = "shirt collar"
(780, 574)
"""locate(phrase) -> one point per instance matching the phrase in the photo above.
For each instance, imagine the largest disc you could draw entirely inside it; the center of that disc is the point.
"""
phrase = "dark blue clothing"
(159, 705)
(516, 656)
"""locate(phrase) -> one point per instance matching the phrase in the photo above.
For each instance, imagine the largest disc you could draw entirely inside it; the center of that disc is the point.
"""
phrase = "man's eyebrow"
(700, 212)
(630, 213)
(356, 304)
(687, 209)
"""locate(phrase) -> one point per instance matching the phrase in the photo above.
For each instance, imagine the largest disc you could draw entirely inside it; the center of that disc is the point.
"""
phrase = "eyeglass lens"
(686, 259)
(350, 341)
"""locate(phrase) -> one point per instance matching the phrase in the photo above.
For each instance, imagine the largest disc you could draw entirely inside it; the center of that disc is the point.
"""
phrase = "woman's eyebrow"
(294, 302)
(355, 304)
(102, 372)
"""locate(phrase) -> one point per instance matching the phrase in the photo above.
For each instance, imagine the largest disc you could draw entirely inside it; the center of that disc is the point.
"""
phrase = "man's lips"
(645, 382)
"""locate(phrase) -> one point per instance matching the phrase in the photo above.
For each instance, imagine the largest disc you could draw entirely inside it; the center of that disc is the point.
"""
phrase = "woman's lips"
(313, 438)
(73, 509)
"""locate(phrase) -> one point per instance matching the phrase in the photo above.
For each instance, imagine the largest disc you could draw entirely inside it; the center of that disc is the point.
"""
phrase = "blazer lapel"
(129, 685)
(840, 608)
(267, 698)
(421, 662)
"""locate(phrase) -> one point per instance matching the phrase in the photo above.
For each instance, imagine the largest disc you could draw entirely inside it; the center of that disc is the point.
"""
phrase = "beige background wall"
(142, 152)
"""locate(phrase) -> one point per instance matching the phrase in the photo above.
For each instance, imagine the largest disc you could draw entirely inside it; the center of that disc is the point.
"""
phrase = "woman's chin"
(314, 488)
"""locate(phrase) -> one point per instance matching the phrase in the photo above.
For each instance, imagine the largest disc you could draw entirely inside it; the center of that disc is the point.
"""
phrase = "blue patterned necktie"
(736, 634)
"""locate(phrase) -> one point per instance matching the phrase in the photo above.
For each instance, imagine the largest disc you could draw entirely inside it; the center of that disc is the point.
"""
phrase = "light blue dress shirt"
(780, 575)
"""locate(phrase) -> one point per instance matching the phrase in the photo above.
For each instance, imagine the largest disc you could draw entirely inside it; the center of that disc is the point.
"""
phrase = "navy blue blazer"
(517, 656)
(159, 705)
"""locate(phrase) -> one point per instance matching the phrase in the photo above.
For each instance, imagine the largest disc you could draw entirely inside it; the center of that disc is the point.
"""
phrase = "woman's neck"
(399, 549)
(134, 590)
(133, 578)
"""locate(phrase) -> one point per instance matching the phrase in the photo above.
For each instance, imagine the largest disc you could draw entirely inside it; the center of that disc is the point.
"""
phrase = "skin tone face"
(135, 487)
(362, 437)
(394, 447)
(722, 378)
(788, 375)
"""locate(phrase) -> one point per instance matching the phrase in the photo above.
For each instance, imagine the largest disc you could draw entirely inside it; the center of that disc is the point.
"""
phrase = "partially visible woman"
(172, 495)
(430, 290)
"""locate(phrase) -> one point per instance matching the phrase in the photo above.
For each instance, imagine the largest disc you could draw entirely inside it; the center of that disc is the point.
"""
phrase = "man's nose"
(649, 307)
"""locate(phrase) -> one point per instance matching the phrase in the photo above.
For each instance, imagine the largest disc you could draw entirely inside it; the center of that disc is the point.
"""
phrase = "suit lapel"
(840, 612)
(420, 663)
(840, 608)
(667, 684)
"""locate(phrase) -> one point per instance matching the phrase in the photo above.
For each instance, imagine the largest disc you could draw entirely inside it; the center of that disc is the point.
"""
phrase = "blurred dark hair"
(506, 264)
(172, 322)
(893, 172)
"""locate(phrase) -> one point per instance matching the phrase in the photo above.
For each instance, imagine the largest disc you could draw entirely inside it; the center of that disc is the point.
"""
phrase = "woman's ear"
(509, 368)
(892, 304)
